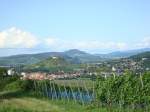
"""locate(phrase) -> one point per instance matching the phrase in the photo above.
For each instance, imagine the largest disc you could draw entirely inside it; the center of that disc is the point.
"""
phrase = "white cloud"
(145, 43)
(50, 41)
(2, 39)
(16, 38)
(98, 45)
(121, 46)
(83, 45)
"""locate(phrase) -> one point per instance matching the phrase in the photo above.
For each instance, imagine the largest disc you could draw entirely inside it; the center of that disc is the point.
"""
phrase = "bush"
(13, 83)
(3, 72)
(13, 86)
(7, 80)
(27, 85)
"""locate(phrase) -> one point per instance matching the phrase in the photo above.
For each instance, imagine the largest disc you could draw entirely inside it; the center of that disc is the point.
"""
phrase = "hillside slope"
(74, 56)
(52, 64)
(143, 57)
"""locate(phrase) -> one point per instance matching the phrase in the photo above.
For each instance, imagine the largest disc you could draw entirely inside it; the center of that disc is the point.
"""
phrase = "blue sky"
(95, 26)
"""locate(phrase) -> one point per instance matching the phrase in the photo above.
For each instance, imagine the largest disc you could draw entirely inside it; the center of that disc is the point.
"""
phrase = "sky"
(95, 26)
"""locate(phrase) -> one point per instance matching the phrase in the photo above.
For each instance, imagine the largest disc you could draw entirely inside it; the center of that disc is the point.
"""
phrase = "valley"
(57, 80)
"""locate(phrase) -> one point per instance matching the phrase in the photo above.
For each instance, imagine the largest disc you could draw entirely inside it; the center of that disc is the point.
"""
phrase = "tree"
(3, 72)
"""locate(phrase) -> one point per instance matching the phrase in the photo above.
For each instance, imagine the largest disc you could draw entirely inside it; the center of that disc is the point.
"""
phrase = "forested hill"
(141, 55)
(52, 64)
(74, 55)
(144, 57)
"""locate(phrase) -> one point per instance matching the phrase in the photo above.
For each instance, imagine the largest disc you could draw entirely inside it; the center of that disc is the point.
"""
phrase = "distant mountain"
(75, 53)
(24, 59)
(74, 56)
(141, 55)
(82, 56)
(123, 54)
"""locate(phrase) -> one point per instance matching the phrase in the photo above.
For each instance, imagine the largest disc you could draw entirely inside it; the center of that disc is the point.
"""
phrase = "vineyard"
(128, 92)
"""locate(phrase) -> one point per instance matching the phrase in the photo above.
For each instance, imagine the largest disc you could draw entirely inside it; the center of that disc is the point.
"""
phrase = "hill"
(52, 64)
(74, 56)
(123, 54)
(143, 57)
(83, 56)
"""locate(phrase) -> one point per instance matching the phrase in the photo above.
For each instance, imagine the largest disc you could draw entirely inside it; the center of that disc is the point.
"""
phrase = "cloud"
(51, 41)
(60, 44)
(16, 38)
(92, 45)
(145, 43)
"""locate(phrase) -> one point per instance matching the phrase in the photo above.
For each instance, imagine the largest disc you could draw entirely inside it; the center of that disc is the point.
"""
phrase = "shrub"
(15, 85)
(27, 85)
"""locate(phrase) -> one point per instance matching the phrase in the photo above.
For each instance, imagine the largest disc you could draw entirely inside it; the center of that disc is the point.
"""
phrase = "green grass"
(76, 83)
(25, 102)
(28, 104)
(19, 101)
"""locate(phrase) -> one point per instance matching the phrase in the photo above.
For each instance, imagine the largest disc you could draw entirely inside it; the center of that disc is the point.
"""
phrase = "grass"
(23, 101)
(76, 83)
(26, 102)
(19, 101)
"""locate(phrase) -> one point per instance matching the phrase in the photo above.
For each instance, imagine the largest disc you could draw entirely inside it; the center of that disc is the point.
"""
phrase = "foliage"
(128, 89)
(27, 85)
(7, 80)
(53, 65)
(12, 86)
(14, 83)
(139, 57)
(3, 72)
(25, 103)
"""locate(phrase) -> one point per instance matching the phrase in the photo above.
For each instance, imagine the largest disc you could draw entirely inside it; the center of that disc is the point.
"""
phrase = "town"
(105, 69)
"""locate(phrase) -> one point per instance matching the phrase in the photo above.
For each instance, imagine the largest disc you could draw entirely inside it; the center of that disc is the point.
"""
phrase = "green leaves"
(3, 72)
(126, 89)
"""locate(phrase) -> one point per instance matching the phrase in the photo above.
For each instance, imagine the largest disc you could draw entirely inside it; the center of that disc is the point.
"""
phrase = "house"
(10, 72)
(113, 69)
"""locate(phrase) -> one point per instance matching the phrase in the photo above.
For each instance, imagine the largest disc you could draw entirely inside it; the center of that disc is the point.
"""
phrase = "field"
(80, 82)
(127, 93)
(26, 102)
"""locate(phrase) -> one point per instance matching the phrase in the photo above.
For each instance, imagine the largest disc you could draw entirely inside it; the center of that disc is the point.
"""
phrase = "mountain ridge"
(73, 55)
